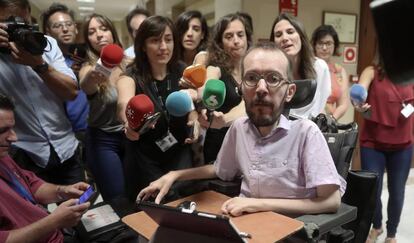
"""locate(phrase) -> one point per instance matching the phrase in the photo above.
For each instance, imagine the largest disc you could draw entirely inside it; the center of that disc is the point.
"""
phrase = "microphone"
(179, 103)
(213, 95)
(139, 112)
(111, 56)
(195, 74)
(358, 94)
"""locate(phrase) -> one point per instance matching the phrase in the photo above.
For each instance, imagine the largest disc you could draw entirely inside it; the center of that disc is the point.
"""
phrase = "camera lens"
(33, 41)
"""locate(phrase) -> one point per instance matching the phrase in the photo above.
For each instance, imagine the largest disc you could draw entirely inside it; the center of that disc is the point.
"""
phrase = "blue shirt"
(40, 114)
(77, 110)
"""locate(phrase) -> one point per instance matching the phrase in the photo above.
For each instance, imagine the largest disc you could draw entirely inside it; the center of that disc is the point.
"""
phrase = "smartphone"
(88, 196)
(149, 122)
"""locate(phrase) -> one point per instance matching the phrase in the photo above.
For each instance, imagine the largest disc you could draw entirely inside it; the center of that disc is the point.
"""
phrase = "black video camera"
(25, 35)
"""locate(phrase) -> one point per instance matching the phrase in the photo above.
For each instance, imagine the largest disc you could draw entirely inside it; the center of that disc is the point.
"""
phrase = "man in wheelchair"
(285, 165)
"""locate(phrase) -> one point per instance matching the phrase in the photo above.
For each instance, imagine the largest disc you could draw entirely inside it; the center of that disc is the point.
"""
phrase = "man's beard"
(260, 120)
(265, 120)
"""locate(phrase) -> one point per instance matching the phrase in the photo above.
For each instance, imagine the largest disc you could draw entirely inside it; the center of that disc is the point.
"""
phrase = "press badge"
(166, 142)
(407, 110)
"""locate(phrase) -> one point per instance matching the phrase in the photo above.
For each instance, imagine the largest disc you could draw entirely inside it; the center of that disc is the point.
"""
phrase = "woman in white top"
(289, 35)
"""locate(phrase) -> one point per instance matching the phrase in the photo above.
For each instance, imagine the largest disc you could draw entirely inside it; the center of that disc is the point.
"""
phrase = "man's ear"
(291, 90)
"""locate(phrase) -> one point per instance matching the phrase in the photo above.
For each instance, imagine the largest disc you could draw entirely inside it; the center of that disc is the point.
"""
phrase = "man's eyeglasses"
(273, 79)
(321, 44)
(59, 25)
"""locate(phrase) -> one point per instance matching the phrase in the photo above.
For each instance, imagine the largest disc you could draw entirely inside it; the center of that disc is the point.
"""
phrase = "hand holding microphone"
(140, 116)
(194, 76)
(179, 104)
(111, 56)
(358, 95)
(213, 98)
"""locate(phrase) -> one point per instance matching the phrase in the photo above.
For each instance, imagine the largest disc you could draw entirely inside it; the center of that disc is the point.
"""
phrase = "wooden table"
(263, 226)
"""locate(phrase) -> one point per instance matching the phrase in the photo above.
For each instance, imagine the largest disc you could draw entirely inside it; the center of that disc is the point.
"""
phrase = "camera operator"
(39, 84)
(59, 22)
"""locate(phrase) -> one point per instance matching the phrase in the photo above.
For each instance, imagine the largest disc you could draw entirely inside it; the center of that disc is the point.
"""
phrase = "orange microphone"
(196, 75)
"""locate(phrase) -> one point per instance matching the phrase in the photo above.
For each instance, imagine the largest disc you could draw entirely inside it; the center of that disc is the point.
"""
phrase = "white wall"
(204, 6)
(225, 7)
(163, 7)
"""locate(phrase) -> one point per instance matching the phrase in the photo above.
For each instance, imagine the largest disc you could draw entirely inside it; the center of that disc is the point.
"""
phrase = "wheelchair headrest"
(305, 91)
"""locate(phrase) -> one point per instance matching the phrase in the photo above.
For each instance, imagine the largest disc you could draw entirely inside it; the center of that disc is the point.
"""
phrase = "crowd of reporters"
(75, 111)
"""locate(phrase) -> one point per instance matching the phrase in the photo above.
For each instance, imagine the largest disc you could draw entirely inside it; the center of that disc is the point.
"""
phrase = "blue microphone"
(358, 94)
(179, 103)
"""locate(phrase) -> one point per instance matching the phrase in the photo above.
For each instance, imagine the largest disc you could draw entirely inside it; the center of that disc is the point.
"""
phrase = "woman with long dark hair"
(192, 32)
(229, 42)
(386, 140)
(289, 35)
(155, 72)
(104, 137)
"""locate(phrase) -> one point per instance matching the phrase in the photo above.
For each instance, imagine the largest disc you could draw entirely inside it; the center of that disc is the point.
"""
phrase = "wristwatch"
(41, 68)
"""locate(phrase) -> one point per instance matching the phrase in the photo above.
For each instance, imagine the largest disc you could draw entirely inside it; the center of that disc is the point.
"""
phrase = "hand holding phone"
(88, 196)
(149, 123)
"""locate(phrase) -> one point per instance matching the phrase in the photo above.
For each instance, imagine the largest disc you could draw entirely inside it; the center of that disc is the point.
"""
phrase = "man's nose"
(261, 86)
(12, 137)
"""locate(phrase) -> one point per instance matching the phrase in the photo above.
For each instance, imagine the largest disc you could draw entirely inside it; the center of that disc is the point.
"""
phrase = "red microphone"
(111, 56)
(140, 113)
(195, 74)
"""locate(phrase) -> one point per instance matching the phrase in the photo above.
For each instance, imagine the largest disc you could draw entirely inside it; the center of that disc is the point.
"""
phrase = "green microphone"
(213, 95)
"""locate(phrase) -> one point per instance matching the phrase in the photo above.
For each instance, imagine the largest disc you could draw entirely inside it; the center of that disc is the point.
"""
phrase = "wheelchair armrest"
(317, 225)
(229, 188)
(340, 234)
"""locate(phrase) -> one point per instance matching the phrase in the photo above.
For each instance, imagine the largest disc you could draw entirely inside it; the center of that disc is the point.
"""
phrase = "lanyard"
(158, 96)
(157, 93)
(16, 185)
(397, 94)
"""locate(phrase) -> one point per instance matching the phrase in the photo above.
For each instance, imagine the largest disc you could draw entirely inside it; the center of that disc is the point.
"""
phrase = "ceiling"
(114, 9)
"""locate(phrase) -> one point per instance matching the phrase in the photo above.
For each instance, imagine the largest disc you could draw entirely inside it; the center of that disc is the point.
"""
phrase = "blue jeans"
(397, 163)
(104, 157)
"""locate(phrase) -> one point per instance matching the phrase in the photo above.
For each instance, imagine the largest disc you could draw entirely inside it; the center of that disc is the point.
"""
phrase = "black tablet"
(213, 225)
